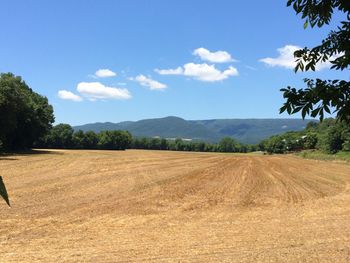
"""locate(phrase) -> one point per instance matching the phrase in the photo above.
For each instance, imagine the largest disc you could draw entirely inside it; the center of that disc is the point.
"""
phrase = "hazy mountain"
(244, 130)
(252, 130)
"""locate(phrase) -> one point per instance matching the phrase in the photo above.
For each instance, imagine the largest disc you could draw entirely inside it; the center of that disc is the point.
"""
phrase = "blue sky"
(134, 59)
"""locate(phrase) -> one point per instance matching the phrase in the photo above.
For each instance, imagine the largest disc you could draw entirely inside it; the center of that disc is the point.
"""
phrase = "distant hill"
(252, 130)
(244, 130)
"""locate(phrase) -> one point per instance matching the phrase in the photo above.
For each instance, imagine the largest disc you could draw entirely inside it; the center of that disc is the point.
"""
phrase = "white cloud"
(105, 73)
(286, 59)
(96, 90)
(203, 72)
(214, 57)
(67, 95)
(148, 82)
(176, 71)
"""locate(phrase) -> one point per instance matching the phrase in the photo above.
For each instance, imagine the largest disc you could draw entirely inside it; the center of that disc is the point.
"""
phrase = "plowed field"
(142, 206)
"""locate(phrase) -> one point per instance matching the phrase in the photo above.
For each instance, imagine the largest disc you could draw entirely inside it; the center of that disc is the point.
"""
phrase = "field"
(142, 206)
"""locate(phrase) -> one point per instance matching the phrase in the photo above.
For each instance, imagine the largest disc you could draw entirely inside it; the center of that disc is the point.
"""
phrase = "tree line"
(63, 136)
(329, 136)
(226, 144)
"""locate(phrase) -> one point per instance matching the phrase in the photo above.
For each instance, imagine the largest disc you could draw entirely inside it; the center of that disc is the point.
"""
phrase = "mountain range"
(244, 130)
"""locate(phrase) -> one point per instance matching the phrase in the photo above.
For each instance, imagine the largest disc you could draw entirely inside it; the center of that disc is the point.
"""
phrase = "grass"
(318, 155)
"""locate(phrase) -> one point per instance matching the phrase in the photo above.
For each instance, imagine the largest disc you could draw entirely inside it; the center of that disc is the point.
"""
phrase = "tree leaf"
(3, 192)
(283, 108)
(327, 109)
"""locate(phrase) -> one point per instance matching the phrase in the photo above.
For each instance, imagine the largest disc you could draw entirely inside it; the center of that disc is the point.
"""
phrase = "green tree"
(210, 147)
(310, 141)
(275, 144)
(322, 96)
(125, 139)
(144, 143)
(331, 141)
(345, 136)
(346, 145)
(155, 144)
(228, 144)
(163, 144)
(91, 140)
(79, 140)
(311, 126)
(179, 144)
(25, 116)
(60, 136)
(200, 147)
(114, 140)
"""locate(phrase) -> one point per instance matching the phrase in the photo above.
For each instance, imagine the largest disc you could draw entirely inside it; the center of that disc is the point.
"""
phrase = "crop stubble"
(110, 206)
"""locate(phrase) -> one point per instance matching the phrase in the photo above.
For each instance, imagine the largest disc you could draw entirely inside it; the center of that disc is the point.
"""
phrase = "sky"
(121, 60)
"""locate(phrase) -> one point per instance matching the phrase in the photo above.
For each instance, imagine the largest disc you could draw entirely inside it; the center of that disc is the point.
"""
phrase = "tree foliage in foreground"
(3, 192)
(322, 96)
(25, 116)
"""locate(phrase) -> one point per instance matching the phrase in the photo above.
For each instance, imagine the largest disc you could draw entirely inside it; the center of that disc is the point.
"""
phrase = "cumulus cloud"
(202, 72)
(286, 59)
(105, 73)
(214, 57)
(67, 95)
(205, 72)
(176, 71)
(96, 90)
(150, 83)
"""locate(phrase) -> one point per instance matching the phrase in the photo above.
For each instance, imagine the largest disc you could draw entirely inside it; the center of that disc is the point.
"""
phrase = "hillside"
(243, 130)
(252, 130)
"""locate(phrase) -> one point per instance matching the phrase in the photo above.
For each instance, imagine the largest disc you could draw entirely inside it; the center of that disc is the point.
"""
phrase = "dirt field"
(141, 206)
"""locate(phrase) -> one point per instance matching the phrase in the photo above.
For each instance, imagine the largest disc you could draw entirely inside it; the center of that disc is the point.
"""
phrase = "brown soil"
(141, 206)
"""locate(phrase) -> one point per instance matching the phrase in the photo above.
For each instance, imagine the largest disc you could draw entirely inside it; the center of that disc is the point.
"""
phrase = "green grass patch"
(318, 155)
